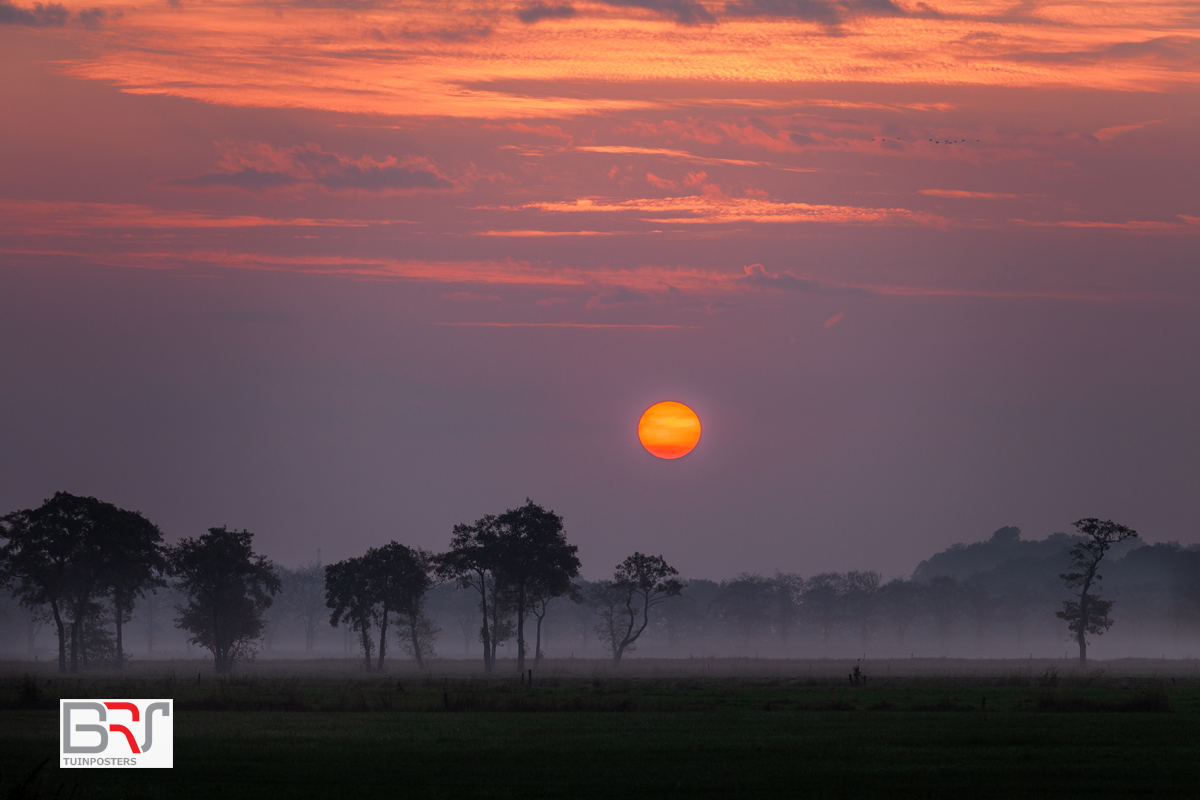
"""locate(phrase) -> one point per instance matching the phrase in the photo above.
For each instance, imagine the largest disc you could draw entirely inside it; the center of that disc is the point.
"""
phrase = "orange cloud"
(684, 156)
(654, 180)
(1143, 226)
(976, 195)
(64, 218)
(483, 62)
(714, 208)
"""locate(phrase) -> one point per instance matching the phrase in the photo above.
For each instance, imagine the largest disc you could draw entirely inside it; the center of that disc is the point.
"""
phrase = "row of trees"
(515, 565)
(834, 608)
(77, 558)
(366, 591)
(82, 564)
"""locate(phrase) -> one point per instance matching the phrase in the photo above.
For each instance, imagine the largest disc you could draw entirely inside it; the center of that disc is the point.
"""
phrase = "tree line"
(82, 564)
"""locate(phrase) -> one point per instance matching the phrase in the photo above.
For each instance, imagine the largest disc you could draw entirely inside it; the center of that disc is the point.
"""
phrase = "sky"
(348, 271)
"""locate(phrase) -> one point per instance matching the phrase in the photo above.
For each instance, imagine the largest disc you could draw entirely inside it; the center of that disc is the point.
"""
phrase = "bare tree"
(639, 583)
(1089, 613)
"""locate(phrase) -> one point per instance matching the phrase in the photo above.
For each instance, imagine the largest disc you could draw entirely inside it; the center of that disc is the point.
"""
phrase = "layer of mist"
(996, 598)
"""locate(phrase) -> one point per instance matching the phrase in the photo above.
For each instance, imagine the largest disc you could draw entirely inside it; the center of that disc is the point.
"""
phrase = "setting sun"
(669, 430)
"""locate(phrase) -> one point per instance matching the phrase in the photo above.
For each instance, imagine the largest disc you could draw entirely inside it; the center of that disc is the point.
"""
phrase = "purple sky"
(921, 276)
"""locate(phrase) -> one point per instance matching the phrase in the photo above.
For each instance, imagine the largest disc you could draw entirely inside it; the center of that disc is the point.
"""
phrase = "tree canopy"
(228, 587)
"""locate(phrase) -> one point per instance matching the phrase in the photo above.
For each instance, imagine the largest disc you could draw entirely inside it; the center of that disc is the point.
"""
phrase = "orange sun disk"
(669, 430)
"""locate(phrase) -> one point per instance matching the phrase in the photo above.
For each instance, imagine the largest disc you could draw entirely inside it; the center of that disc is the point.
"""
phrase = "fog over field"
(993, 599)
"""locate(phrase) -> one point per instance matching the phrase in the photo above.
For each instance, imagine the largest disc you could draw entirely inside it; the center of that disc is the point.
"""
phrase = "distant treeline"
(508, 587)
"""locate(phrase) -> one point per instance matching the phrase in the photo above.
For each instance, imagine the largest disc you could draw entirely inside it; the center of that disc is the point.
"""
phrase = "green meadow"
(715, 728)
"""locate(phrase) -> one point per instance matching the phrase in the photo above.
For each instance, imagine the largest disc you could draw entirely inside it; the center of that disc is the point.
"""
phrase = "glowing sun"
(669, 430)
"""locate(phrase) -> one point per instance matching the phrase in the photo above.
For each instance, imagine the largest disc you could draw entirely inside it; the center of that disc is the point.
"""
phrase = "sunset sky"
(343, 271)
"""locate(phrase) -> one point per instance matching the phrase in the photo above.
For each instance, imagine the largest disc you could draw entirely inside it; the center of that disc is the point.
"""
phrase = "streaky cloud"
(826, 12)
(1182, 50)
(52, 15)
(258, 167)
(539, 11)
(685, 12)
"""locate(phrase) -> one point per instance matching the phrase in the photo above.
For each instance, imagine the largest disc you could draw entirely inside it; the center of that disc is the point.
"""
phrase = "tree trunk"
(1084, 616)
(120, 650)
(62, 638)
(414, 627)
(489, 652)
(521, 631)
(626, 639)
(75, 625)
(537, 646)
(366, 642)
(150, 604)
(495, 637)
(382, 638)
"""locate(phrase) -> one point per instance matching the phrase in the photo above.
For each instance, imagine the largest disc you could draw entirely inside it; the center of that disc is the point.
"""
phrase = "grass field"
(696, 728)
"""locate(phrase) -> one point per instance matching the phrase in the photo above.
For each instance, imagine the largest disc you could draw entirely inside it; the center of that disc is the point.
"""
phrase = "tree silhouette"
(822, 600)
(471, 562)
(350, 596)
(640, 583)
(902, 599)
(744, 603)
(787, 588)
(534, 561)
(944, 597)
(399, 578)
(1089, 613)
(228, 587)
(134, 562)
(39, 553)
(70, 552)
(542, 592)
(861, 600)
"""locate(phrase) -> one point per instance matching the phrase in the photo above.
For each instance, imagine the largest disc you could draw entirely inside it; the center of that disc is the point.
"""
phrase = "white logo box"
(116, 734)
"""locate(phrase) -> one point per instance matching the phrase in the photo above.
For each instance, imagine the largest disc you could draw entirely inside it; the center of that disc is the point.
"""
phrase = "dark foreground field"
(736, 728)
